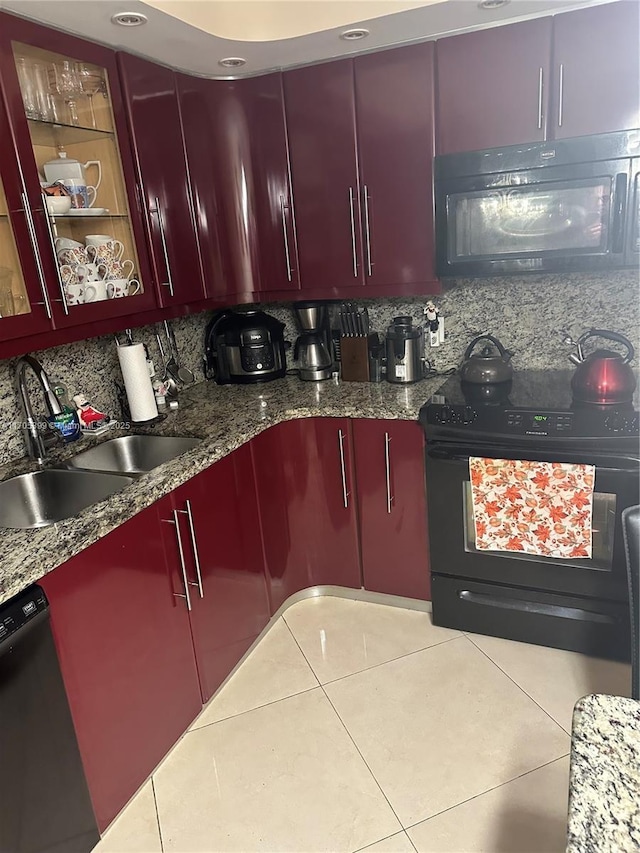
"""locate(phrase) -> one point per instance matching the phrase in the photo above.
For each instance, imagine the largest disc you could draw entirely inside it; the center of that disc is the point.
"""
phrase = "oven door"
(552, 219)
(452, 533)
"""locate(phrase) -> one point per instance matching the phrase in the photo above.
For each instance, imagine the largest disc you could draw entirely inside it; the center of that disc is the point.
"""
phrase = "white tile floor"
(357, 726)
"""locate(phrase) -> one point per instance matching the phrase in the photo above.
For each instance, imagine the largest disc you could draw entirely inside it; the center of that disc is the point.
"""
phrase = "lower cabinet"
(216, 536)
(126, 656)
(138, 657)
(306, 491)
(390, 475)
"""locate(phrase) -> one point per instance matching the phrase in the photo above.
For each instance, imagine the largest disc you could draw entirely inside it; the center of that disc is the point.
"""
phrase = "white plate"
(87, 211)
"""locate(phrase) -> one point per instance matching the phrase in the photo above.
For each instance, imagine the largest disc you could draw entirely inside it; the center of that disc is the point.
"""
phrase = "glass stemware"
(68, 85)
(92, 82)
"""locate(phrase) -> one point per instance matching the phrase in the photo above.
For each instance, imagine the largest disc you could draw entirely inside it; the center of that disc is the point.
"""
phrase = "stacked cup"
(94, 271)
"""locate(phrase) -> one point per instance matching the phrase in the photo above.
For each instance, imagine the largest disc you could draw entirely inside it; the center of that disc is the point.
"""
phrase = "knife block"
(355, 358)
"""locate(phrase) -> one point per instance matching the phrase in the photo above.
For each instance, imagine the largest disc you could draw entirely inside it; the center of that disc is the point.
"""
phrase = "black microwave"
(570, 205)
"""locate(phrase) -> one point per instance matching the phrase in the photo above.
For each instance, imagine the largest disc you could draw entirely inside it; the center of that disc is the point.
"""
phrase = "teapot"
(604, 377)
(490, 366)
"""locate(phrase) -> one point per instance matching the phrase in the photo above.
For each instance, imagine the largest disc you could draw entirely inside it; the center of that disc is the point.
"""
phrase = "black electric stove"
(536, 406)
(581, 604)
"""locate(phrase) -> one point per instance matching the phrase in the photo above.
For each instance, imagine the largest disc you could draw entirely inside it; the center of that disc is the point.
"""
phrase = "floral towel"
(541, 508)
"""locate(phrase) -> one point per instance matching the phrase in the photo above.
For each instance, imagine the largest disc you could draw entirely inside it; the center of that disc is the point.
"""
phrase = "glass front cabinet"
(76, 215)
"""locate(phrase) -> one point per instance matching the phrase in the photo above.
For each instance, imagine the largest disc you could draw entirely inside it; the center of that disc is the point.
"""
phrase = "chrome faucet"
(35, 439)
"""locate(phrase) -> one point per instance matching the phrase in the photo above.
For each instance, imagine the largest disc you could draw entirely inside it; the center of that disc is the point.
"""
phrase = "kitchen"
(311, 483)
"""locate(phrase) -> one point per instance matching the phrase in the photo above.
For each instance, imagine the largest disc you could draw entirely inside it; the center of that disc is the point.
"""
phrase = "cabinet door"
(195, 96)
(320, 108)
(25, 307)
(151, 100)
(306, 492)
(220, 535)
(394, 100)
(267, 173)
(493, 87)
(392, 506)
(596, 70)
(122, 635)
(67, 118)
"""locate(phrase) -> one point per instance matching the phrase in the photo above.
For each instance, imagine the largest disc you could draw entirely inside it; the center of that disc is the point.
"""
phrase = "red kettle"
(603, 377)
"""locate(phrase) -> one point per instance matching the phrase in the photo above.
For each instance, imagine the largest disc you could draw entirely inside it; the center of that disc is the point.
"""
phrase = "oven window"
(603, 524)
(516, 220)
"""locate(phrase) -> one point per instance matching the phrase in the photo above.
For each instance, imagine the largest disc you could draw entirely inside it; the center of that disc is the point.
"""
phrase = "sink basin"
(132, 454)
(45, 497)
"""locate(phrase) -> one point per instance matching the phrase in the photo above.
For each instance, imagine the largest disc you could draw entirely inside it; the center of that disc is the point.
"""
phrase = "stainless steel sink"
(132, 454)
(45, 497)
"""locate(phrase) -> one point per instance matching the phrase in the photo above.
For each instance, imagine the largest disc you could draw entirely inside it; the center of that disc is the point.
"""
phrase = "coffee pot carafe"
(312, 348)
(405, 351)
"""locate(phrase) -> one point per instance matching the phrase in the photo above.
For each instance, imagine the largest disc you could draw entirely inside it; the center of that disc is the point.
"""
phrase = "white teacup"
(119, 287)
(89, 272)
(113, 270)
(63, 243)
(74, 293)
(73, 255)
(58, 205)
(96, 291)
(69, 274)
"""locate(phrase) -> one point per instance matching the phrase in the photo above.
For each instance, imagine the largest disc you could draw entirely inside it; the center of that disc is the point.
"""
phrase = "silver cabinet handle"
(36, 254)
(196, 555)
(560, 93)
(183, 566)
(353, 234)
(52, 237)
(163, 239)
(387, 470)
(286, 238)
(343, 470)
(540, 81)
(367, 233)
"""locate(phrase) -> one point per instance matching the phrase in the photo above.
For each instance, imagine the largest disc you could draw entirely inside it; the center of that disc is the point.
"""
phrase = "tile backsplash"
(527, 315)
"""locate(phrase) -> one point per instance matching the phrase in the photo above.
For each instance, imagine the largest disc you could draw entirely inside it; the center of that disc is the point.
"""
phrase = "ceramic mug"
(69, 274)
(117, 269)
(81, 195)
(119, 287)
(74, 293)
(89, 272)
(96, 291)
(62, 243)
(105, 251)
(58, 205)
(73, 256)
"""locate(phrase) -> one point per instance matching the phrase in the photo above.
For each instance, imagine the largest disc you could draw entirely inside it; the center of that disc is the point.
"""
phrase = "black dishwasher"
(44, 799)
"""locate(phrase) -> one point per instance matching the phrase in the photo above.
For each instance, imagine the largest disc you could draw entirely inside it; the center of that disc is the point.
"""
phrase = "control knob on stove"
(445, 415)
(469, 415)
(615, 422)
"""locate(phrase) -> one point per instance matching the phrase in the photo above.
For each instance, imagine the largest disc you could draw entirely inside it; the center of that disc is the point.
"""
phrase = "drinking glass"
(67, 84)
(92, 82)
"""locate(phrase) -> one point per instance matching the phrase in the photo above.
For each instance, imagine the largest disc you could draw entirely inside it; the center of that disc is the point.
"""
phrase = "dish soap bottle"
(66, 423)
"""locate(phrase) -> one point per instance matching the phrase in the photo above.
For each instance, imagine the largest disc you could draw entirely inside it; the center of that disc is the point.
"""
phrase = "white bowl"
(58, 204)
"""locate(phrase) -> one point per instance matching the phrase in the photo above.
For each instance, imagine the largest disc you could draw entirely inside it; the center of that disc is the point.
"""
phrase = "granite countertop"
(604, 799)
(225, 417)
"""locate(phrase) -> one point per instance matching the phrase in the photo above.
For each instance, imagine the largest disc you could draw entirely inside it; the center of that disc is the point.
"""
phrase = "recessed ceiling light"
(492, 4)
(232, 62)
(129, 19)
(354, 34)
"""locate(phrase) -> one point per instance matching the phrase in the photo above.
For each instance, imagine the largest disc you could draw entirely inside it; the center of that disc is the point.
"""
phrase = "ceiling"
(193, 35)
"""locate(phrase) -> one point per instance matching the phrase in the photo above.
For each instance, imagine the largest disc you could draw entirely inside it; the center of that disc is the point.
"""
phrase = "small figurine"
(431, 313)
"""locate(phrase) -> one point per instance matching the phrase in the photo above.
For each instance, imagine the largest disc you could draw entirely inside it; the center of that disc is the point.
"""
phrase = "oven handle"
(456, 453)
(619, 204)
(489, 600)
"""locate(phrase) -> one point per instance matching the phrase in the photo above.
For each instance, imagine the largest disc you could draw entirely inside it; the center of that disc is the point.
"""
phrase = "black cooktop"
(534, 405)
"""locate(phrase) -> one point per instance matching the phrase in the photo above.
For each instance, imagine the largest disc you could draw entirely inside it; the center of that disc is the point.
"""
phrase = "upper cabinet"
(151, 100)
(361, 145)
(493, 87)
(596, 59)
(65, 112)
(573, 74)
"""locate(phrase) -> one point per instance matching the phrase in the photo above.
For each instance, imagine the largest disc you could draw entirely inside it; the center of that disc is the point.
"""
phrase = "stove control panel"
(539, 423)
(622, 423)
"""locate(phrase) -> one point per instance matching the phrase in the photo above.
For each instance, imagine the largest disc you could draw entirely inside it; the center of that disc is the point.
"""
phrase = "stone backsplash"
(527, 315)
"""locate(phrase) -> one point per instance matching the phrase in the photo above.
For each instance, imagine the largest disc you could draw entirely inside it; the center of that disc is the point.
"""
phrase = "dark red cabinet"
(321, 123)
(126, 656)
(219, 530)
(151, 101)
(394, 104)
(596, 56)
(493, 86)
(306, 491)
(389, 460)
(361, 147)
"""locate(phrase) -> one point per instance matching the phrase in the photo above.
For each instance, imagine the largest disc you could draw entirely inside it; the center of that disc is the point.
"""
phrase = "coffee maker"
(313, 346)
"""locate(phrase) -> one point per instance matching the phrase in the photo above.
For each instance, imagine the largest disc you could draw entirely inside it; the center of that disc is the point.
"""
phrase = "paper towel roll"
(137, 382)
